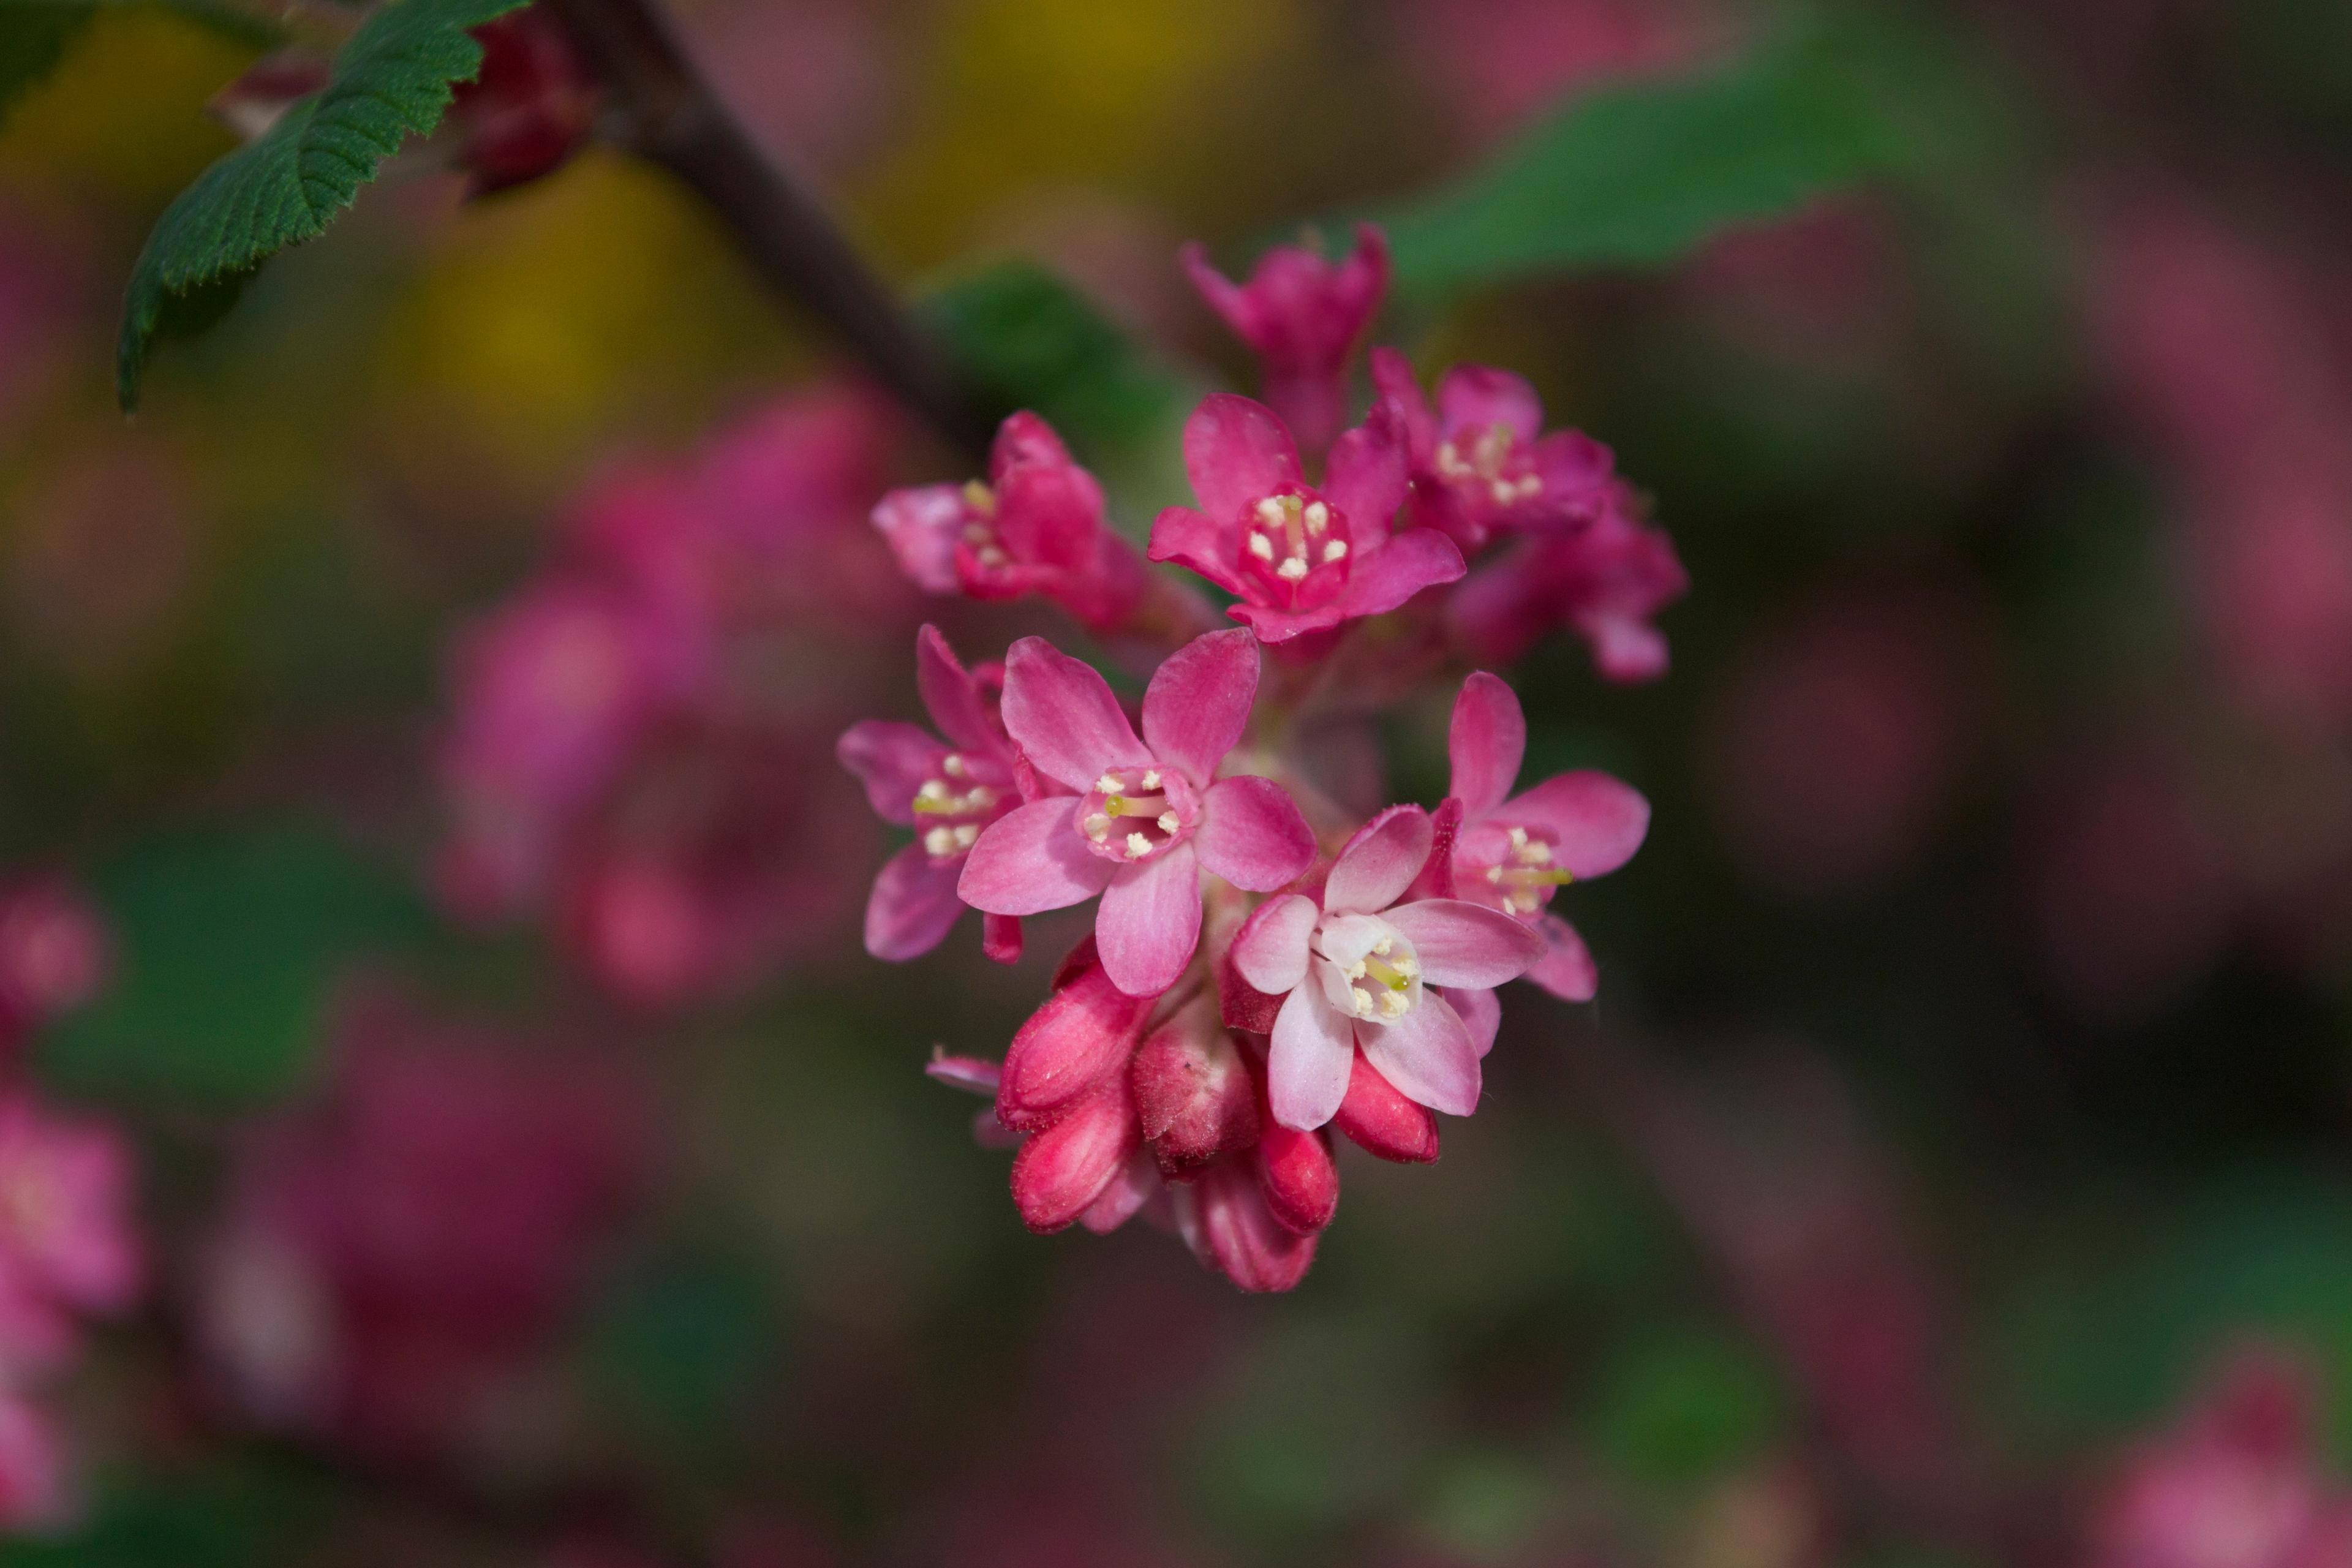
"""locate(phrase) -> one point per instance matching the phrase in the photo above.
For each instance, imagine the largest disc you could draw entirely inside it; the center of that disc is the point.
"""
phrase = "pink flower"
(1605, 581)
(1356, 966)
(949, 793)
(37, 1490)
(1514, 854)
(54, 952)
(1035, 527)
(1303, 316)
(1151, 814)
(1481, 462)
(1300, 559)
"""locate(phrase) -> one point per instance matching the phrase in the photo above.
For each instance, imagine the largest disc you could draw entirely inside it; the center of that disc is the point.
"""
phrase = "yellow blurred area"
(81, 130)
(1034, 93)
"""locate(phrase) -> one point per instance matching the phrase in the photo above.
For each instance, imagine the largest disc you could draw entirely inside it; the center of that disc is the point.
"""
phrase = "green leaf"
(35, 34)
(1642, 173)
(226, 942)
(1028, 340)
(392, 81)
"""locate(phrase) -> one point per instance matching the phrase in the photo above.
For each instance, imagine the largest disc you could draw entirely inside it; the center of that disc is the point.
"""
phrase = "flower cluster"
(1266, 965)
(637, 738)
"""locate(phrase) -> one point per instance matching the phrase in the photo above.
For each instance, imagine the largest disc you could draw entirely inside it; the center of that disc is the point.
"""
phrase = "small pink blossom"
(1514, 854)
(1303, 315)
(948, 792)
(1301, 559)
(1152, 814)
(67, 1243)
(1481, 463)
(54, 952)
(1604, 581)
(1035, 526)
(1356, 969)
(37, 1490)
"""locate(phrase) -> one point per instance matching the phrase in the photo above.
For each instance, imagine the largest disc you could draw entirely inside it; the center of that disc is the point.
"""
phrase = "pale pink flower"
(948, 792)
(1358, 970)
(1035, 526)
(1301, 559)
(1514, 852)
(1481, 463)
(1152, 814)
(1303, 316)
(1604, 581)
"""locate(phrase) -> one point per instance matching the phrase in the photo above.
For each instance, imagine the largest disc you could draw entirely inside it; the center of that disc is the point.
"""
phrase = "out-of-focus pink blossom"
(1605, 582)
(1035, 526)
(531, 106)
(1355, 965)
(1481, 463)
(1303, 315)
(1300, 559)
(397, 1256)
(1514, 854)
(68, 1245)
(54, 952)
(2237, 1484)
(1152, 814)
(948, 792)
(37, 1491)
(1499, 61)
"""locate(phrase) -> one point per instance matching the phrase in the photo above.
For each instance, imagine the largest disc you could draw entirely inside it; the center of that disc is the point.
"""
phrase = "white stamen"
(939, 842)
(991, 556)
(965, 833)
(932, 790)
(1270, 511)
(1167, 822)
(1137, 846)
(952, 765)
(1537, 853)
(1292, 570)
(1493, 873)
(1530, 486)
(1319, 515)
(981, 798)
(1099, 829)
(1502, 491)
(1518, 838)
(1151, 779)
(1335, 550)
(1383, 947)
(1108, 785)
(1393, 1003)
(1261, 546)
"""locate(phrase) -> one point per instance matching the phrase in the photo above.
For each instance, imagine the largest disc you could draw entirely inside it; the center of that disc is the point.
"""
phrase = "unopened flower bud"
(1193, 1091)
(1381, 1121)
(1060, 1172)
(1084, 1034)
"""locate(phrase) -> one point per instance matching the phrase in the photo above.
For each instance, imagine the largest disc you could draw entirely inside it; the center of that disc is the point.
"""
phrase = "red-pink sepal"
(1000, 937)
(1135, 1184)
(1062, 1171)
(1379, 1121)
(1084, 1034)
(1295, 1172)
(1193, 1091)
(1223, 1215)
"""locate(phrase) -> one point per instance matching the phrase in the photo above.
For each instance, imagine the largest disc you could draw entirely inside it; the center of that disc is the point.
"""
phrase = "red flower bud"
(1060, 1172)
(1226, 1218)
(1193, 1091)
(1300, 1183)
(1084, 1033)
(1384, 1122)
(531, 107)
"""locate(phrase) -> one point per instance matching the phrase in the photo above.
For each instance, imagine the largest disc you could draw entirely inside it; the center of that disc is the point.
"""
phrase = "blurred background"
(1965, 1106)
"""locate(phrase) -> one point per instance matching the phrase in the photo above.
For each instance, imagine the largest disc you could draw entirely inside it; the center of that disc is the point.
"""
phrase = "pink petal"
(1463, 943)
(1063, 1169)
(1032, 859)
(1062, 712)
(977, 1074)
(1417, 558)
(1573, 466)
(1149, 922)
(1486, 742)
(1077, 1039)
(1128, 1191)
(1199, 701)
(1025, 438)
(951, 696)
(1308, 1060)
(1239, 1234)
(1480, 1011)
(1000, 938)
(1189, 538)
(1295, 1173)
(1270, 950)
(1050, 515)
(1237, 452)
(921, 527)
(1273, 625)
(1365, 478)
(1253, 835)
(1399, 389)
(1228, 299)
(1379, 862)
(1600, 821)
(1379, 1121)
(1471, 396)
(1364, 277)
(892, 761)
(1567, 969)
(913, 905)
(1429, 1055)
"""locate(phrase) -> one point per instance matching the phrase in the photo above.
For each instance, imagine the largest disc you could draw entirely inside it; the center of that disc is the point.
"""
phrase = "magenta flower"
(1035, 526)
(1300, 559)
(1514, 854)
(1303, 315)
(67, 1242)
(1151, 814)
(1605, 581)
(1356, 967)
(1481, 463)
(948, 793)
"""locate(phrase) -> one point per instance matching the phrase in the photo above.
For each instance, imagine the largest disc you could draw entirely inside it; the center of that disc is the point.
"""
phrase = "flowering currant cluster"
(1270, 960)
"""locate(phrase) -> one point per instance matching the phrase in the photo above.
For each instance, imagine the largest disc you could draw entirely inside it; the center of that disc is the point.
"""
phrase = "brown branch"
(675, 119)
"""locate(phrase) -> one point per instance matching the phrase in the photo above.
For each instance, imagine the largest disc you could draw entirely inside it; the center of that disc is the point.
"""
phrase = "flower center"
(1295, 548)
(979, 537)
(1133, 814)
(954, 806)
(1510, 868)
(1371, 972)
(1489, 461)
